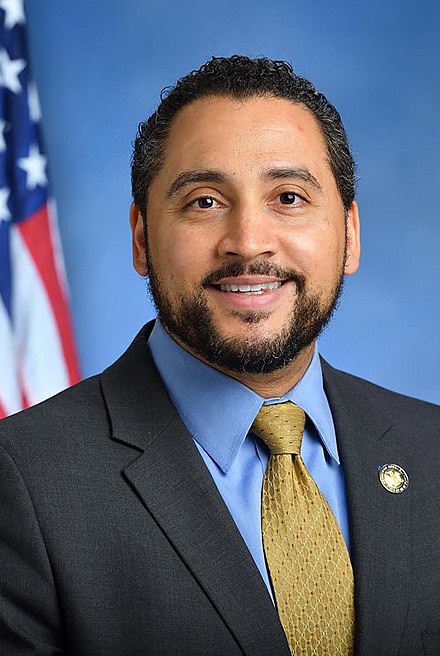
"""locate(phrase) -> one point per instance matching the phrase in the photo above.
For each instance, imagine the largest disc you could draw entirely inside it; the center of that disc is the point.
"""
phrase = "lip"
(267, 300)
(248, 280)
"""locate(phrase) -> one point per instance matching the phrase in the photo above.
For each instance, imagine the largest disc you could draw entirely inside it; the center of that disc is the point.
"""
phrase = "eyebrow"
(289, 172)
(211, 175)
(198, 175)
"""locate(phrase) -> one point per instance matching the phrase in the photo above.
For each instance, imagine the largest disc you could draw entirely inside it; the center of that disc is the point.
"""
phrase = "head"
(243, 176)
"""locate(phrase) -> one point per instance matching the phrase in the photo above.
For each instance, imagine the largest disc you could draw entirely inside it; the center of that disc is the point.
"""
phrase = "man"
(151, 510)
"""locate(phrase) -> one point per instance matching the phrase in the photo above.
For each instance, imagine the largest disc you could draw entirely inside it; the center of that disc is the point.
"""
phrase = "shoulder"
(340, 385)
(79, 409)
(57, 419)
(80, 420)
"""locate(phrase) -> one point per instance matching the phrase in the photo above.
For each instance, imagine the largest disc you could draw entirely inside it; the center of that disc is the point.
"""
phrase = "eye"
(289, 198)
(203, 203)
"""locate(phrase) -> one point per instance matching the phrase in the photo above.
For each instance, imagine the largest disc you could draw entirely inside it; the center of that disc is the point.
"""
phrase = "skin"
(274, 198)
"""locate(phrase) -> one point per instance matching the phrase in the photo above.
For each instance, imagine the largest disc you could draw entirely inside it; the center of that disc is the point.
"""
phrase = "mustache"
(259, 268)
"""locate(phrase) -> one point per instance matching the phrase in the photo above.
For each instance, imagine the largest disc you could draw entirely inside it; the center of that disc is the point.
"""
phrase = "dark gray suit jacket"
(114, 540)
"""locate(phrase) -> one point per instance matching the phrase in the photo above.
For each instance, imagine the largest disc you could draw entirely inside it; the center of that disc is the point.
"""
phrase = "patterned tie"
(309, 565)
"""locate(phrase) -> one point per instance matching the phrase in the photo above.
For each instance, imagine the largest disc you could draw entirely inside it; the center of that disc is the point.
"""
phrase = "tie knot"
(281, 427)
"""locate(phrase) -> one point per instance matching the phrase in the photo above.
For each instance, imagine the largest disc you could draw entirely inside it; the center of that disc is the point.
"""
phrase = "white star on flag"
(10, 69)
(14, 12)
(34, 103)
(2, 135)
(5, 214)
(34, 166)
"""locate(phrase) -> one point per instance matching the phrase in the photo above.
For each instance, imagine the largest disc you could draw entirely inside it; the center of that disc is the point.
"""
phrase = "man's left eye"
(289, 198)
(204, 202)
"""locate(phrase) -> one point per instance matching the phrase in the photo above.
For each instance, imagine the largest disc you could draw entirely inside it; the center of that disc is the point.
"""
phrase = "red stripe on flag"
(37, 235)
(2, 412)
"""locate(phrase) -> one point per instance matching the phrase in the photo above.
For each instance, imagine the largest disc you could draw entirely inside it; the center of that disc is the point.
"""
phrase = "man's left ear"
(353, 239)
(138, 241)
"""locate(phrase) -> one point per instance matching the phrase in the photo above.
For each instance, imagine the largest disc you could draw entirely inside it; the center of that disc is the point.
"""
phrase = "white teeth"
(250, 288)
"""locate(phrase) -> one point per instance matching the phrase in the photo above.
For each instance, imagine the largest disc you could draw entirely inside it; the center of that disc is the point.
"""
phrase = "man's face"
(247, 236)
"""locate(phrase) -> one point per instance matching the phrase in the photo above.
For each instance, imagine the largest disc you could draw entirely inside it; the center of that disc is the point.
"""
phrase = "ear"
(138, 241)
(353, 240)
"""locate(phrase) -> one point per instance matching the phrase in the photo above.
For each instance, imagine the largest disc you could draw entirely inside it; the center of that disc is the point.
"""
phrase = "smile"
(251, 289)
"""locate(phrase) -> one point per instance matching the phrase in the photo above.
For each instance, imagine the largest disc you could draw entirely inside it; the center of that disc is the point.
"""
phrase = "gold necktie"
(309, 565)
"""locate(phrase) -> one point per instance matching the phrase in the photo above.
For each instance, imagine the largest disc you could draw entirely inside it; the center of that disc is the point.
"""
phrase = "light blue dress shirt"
(218, 412)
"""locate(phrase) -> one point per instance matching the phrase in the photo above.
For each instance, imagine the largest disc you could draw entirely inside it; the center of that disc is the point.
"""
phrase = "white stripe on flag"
(38, 342)
(57, 248)
(10, 397)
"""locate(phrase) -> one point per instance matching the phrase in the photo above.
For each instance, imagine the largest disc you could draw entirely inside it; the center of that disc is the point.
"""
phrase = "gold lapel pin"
(393, 478)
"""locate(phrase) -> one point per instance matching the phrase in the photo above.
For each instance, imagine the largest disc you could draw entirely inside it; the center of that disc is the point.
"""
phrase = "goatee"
(192, 323)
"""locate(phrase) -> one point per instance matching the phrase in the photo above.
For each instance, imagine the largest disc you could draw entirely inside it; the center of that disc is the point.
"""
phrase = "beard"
(192, 322)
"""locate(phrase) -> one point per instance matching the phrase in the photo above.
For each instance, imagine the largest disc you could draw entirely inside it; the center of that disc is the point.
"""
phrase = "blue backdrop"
(100, 65)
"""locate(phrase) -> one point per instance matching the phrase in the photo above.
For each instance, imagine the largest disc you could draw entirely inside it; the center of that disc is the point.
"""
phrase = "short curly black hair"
(239, 77)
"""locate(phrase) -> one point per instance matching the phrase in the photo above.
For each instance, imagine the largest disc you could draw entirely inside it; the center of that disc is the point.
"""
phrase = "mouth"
(251, 293)
(250, 289)
(249, 285)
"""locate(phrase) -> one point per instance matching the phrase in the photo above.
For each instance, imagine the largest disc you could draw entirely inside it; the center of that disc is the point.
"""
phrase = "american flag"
(37, 353)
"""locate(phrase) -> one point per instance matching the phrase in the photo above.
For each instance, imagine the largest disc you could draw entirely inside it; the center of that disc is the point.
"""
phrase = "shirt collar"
(309, 394)
(218, 411)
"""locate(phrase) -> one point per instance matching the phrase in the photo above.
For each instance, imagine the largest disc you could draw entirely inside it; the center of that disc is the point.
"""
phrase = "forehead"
(214, 131)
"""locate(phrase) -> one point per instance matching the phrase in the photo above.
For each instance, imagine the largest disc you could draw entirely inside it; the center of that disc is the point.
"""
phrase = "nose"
(249, 234)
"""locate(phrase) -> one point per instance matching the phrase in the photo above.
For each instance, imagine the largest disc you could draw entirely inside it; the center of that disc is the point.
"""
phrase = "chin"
(249, 331)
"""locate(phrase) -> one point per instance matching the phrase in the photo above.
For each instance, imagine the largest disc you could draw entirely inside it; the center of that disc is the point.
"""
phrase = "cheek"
(317, 253)
(183, 259)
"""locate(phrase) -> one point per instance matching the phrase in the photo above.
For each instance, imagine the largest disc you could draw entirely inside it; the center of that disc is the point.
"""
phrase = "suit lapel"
(379, 520)
(174, 484)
